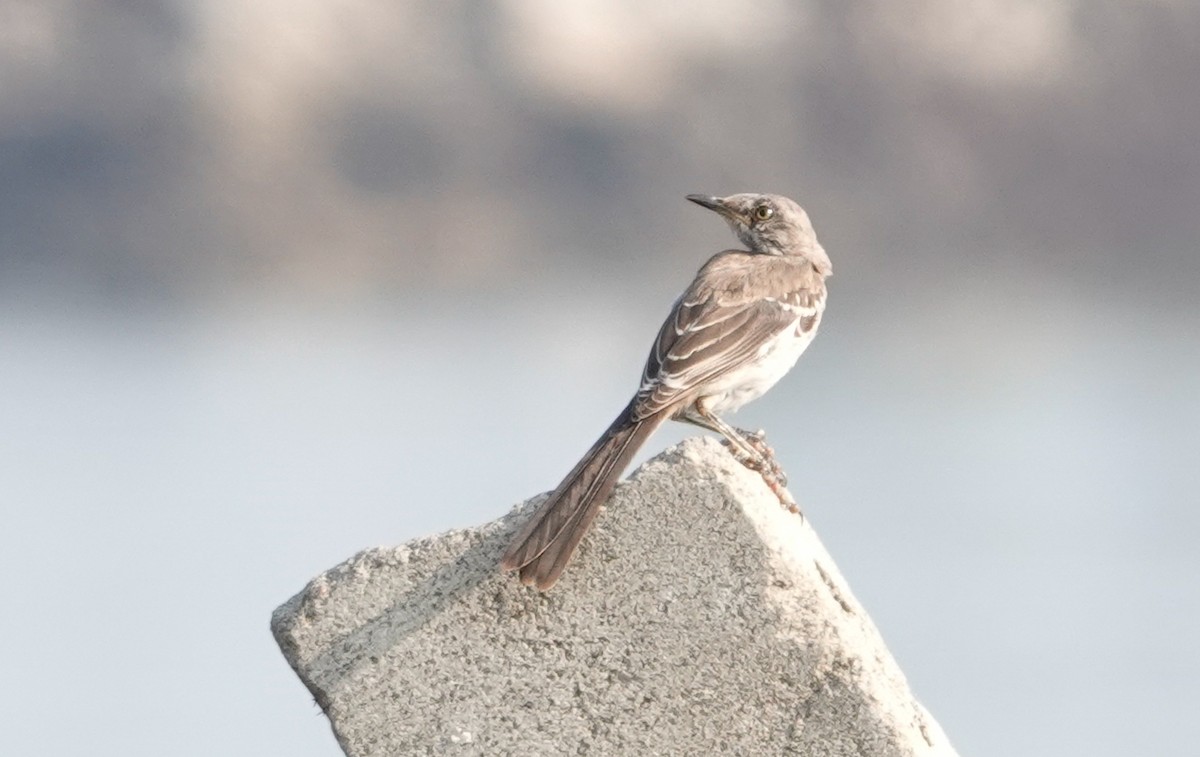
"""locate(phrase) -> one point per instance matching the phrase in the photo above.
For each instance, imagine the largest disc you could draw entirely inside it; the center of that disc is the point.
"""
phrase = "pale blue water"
(1018, 511)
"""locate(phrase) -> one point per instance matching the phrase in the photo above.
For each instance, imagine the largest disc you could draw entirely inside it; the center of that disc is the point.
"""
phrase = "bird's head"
(769, 225)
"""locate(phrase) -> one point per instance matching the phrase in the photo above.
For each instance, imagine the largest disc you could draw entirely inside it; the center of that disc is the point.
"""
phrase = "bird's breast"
(749, 382)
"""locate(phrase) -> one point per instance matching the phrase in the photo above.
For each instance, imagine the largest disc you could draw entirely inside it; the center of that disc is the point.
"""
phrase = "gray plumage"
(738, 328)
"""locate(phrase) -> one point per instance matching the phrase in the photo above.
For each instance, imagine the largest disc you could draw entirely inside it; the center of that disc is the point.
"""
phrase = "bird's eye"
(763, 212)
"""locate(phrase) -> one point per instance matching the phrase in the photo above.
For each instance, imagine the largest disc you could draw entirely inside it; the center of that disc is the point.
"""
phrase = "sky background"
(280, 281)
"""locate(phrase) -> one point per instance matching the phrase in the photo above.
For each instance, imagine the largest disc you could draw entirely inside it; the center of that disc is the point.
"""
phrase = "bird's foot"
(782, 494)
(766, 462)
(758, 456)
(747, 455)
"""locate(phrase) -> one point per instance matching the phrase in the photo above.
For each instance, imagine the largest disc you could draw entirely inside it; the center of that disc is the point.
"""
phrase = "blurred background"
(280, 281)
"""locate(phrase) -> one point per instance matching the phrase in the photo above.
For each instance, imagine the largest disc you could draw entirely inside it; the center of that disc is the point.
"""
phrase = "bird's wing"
(713, 330)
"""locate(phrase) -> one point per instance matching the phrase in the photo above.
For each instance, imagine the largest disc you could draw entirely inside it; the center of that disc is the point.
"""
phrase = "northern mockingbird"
(738, 328)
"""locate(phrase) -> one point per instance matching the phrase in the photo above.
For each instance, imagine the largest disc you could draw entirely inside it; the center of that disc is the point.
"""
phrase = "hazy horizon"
(286, 281)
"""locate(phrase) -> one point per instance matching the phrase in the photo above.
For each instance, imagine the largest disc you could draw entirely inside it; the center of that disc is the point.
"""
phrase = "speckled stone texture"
(698, 618)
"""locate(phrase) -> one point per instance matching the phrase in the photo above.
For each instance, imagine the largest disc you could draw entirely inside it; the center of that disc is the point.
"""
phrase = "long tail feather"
(544, 546)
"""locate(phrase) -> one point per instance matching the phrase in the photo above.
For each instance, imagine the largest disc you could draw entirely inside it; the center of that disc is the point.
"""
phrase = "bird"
(734, 332)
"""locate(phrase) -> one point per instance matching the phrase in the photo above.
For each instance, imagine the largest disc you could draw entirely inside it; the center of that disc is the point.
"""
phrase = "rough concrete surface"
(698, 618)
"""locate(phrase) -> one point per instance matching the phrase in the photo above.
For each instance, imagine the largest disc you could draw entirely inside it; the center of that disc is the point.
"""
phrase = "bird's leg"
(740, 447)
(750, 449)
(773, 474)
(758, 441)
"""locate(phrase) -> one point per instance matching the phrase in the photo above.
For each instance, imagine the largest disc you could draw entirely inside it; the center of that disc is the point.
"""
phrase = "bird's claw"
(764, 463)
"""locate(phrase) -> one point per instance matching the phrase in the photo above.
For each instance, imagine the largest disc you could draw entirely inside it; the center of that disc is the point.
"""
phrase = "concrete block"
(699, 617)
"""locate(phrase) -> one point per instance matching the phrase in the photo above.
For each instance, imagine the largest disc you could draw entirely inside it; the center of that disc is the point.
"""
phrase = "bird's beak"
(712, 203)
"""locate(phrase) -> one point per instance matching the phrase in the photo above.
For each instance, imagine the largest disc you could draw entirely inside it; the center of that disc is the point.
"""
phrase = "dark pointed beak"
(710, 202)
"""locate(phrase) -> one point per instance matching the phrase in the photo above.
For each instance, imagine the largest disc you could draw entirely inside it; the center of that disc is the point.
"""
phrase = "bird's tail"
(544, 546)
